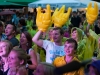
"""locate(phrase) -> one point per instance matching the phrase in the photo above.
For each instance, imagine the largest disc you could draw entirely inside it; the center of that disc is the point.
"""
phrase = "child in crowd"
(5, 48)
(70, 48)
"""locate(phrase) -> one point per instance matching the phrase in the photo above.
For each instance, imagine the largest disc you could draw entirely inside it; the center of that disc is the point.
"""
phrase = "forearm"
(36, 39)
(33, 67)
(87, 29)
(37, 36)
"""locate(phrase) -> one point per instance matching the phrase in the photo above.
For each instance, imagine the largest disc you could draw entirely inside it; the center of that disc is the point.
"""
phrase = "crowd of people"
(29, 46)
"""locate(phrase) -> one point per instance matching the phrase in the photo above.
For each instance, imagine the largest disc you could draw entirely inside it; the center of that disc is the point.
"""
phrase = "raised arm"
(91, 15)
(43, 22)
(36, 39)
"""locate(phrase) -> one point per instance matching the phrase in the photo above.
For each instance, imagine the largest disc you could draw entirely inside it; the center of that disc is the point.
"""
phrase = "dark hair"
(74, 29)
(60, 30)
(22, 22)
(14, 27)
(71, 40)
(1, 24)
(75, 12)
(98, 18)
(29, 39)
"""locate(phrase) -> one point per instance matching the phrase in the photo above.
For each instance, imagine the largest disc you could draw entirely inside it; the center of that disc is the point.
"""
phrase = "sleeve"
(80, 51)
(59, 61)
(93, 39)
(81, 71)
(55, 61)
(45, 44)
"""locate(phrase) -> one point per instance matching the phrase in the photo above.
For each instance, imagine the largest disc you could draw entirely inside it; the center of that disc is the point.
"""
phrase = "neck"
(68, 58)
(24, 47)
(76, 39)
(10, 36)
(59, 43)
(4, 59)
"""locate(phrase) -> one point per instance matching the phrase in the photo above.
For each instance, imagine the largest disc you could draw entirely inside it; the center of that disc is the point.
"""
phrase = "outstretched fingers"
(48, 13)
(38, 12)
(89, 6)
(96, 7)
(62, 9)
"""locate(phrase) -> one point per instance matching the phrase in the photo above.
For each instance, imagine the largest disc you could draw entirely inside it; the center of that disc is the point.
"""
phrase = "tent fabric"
(9, 3)
(24, 2)
(4, 4)
(58, 3)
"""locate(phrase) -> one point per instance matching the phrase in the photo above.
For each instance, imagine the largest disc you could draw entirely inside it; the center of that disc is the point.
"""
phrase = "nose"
(66, 48)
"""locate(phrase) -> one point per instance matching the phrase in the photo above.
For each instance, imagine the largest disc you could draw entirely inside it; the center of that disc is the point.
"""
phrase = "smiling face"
(13, 60)
(74, 34)
(69, 49)
(4, 49)
(23, 39)
(39, 70)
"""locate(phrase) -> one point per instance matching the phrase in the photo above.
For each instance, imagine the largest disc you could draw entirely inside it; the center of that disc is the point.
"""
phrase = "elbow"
(35, 66)
(34, 40)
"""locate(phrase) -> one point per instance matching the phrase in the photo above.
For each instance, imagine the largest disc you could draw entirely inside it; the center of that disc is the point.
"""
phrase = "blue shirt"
(3, 37)
(14, 41)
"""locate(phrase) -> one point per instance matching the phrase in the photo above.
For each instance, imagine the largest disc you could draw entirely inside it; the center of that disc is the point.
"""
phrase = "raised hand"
(92, 13)
(59, 18)
(43, 20)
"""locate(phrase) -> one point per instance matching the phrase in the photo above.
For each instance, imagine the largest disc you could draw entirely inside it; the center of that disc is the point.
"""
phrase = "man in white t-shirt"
(53, 49)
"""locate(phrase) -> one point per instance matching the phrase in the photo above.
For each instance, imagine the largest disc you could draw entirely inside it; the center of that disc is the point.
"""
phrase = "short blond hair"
(9, 45)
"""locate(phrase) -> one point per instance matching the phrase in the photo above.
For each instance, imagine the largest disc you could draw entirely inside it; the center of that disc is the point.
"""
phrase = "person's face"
(3, 49)
(74, 34)
(39, 70)
(56, 35)
(23, 39)
(92, 71)
(69, 49)
(9, 30)
(13, 60)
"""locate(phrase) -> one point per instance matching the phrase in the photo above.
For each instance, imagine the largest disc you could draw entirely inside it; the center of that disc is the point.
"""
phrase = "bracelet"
(27, 65)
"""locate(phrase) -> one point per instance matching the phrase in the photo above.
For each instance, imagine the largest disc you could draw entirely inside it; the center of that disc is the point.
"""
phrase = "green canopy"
(23, 2)
(4, 4)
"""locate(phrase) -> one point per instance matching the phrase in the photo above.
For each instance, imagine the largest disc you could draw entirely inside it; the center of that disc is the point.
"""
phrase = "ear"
(13, 31)
(21, 62)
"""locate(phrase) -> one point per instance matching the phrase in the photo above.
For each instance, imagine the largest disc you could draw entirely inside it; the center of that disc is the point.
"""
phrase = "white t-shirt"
(52, 50)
